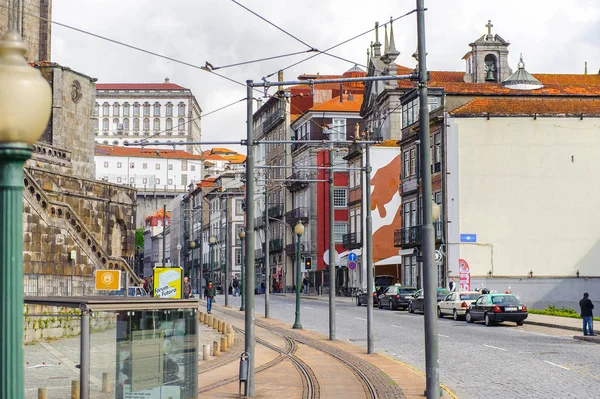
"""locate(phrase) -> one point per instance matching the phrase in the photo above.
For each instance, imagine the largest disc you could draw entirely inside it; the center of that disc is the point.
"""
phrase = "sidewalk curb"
(595, 339)
(323, 298)
(551, 325)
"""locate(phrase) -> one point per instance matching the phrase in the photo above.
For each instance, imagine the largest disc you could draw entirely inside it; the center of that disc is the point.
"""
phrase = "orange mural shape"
(385, 182)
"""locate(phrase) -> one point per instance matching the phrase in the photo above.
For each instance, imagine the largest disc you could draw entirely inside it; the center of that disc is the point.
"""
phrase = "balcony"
(290, 249)
(297, 181)
(259, 222)
(275, 245)
(276, 211)
(259, 254)
(278, 116)
(297, 215)
(410, 237)
(351, 241)
(408, 185)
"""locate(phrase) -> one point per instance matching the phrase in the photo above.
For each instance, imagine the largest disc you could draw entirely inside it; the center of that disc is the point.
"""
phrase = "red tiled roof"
(116, 151)
(344, 106)
(138, 86)
(498, 106)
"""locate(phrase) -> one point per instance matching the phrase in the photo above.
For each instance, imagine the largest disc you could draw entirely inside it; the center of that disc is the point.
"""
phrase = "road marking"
(557, 365)
(495, 347)
(445, 336)
(358, 318)
(540, 334)
(308, 307)
(397, 326)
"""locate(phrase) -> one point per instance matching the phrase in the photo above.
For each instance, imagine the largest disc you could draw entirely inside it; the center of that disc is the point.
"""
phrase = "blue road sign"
(468, 238)
(351, 265)
(352, 257)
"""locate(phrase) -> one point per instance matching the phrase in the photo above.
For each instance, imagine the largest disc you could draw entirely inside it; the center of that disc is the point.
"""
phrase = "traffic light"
(307, 263)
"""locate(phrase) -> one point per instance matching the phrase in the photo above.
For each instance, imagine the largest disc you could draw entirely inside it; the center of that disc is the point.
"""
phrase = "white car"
(457, 303)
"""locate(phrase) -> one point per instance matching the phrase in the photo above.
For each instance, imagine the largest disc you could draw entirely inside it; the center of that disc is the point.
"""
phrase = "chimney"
(341, 92)
(167, 80)
(585, 69)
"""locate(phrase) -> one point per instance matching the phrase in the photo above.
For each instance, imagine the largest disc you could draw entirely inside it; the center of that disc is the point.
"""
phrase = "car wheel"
(520, 322)
(379, 305)
(468, 317)
(358, 301)
(455, 315)
(410, 308)
(391, 306)
(439, 312)
(487, 320)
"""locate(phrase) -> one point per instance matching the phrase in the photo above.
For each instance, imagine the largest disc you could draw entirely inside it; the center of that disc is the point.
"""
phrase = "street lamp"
(242, 238)
(435, 211)
(179, 254)
(212, 240)
(192, 246)
(25, 104)
(299, 230)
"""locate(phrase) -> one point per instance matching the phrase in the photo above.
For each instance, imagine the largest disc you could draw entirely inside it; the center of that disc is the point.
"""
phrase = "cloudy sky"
(554, 37)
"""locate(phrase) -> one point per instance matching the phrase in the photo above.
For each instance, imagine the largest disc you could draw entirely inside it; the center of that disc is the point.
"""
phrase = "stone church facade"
(72, 223)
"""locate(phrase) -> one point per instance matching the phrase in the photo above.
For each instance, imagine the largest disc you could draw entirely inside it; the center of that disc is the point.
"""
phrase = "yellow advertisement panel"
(168, 282)
(109, 280)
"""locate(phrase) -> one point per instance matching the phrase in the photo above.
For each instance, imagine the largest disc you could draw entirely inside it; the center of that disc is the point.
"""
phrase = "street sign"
(468, 238)
(352, 257)
(108, 280)
(351, 265)
(438, 257)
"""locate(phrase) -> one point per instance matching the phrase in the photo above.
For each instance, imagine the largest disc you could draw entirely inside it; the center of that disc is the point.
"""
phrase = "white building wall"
(527, 189)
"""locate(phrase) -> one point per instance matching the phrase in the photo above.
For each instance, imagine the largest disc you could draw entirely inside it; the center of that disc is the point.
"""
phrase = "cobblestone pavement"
(476, 361)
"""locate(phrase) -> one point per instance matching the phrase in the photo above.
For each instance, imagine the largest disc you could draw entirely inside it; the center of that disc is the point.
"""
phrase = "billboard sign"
(168, 282)
(465, 275)
(108, 280)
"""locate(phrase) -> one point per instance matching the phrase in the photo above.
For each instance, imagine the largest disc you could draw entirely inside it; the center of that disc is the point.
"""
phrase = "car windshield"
(468, 297)
(408, 290)
(504, 299)
(443, 291)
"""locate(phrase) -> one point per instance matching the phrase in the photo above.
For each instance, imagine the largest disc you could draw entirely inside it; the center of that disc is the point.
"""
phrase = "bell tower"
(487, 62)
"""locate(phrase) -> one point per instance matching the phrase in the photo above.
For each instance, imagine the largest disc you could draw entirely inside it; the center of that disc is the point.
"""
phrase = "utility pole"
(249, 315)
(190, 245)
(164, 241)
(267, 236)
(226, 285)
(369, 246)
(201, 255)
(427, 237)
(332, 257)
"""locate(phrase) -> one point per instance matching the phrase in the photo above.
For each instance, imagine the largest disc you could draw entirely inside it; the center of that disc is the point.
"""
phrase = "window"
(413, 162)
(97, 109)
(406, 163)
(169, 109)
(115, 142)
(126, 124)
(157, 166)
(146, 109)
(156, 109)
(339, 229)
(157, 181)
(145, 180)
(126, 109)
(106, 164)
(181, 109)
(116, 109)
(136, 109)
(105, 124)
(119, 164)
(184, 181)
(115, 124)
(437, 149)
(132, 180)
(169, 125)
(119, 179)
(181, 125)
(192, 168)
(136, 124)
(239, 207)
(184, 164)
(132, 165)
(170, 182)
(171, 167)
(340, 198)
(156, 124)
(146, 124)
(337, 132)
(96, 124)
(238, 256)
(144, 166)
(105, 108)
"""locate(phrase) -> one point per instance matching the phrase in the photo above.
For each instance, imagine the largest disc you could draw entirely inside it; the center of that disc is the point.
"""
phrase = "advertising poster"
(465, 275)
(168, 282)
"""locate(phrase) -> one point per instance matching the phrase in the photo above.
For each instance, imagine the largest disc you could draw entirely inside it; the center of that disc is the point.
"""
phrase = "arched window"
(156, 109)
(126, 124)
(126, 142)
(169, 109)
(105, 109)
(96, 124)
(146, 124)
(105, 142)
(105, 124)
(116, 109)
(181, 125)
(115, 142)
(156, 124)
(146, 109)
(116, 124)
(97, 109)
(136, 124)
(181, 109)
(169, 126)
(136, 109)
(126, 109)
(491, 68)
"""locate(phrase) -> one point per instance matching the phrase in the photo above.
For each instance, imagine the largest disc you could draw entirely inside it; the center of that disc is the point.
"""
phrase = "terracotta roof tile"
(344, 106)
(138, 86)
(495, 106)
(116, 151)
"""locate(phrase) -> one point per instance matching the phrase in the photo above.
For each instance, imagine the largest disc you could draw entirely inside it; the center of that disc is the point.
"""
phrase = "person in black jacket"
(586, 306)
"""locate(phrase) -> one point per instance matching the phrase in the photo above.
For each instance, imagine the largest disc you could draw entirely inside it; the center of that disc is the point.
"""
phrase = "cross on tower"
(489, 26)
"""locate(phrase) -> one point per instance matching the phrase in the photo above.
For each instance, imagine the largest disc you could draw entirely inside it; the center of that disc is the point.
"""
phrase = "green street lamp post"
(299, 230)
(242, 237)
(212, 240)
(25, 104)
(192, 245)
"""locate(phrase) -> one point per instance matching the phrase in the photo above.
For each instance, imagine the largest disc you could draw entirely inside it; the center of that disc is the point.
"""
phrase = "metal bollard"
(216, 348)
(105, 382)
(42, 393)
(223, 343)
(205, 352)
(220, 326)
(244, 373)
(320, 290)
(75, 389)
(215, 324)
(230, 339)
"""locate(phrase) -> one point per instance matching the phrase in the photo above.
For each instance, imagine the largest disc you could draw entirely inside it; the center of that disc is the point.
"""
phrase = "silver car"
(456, 304)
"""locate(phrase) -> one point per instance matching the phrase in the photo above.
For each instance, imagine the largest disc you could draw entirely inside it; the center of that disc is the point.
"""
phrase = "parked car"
(418, 301)
(494, 308)
(396, 296)
(131, 291)
(456, 304)
(381, 283)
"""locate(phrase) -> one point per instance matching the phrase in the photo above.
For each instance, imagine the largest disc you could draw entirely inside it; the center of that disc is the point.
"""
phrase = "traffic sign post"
(352, 265)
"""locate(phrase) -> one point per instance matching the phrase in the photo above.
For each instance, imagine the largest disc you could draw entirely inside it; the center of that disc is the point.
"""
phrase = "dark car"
(381, 284)
(495, 308)
(396, 296)
(418, 301)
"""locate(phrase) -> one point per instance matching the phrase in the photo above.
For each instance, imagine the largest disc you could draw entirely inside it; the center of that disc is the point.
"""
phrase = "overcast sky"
(554, 37)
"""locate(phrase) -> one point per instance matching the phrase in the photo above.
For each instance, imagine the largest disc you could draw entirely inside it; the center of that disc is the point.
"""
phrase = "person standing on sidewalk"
(236, 286)
(586, 306)
(305, 283)
(209, 294)
(187, 288)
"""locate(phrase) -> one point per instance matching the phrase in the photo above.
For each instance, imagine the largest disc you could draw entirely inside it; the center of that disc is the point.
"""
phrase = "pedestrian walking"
(209, 294)
(586, 306)
(452, 285)
(236, 286)
(187, 288)
(306, 282)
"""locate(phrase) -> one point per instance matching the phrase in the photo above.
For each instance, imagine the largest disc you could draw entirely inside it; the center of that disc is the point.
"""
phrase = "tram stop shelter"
(148, 350)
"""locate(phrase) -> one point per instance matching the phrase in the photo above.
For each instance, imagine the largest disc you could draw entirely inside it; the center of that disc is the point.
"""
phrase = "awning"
(409, 251)
(392, 260)
(345, 254)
